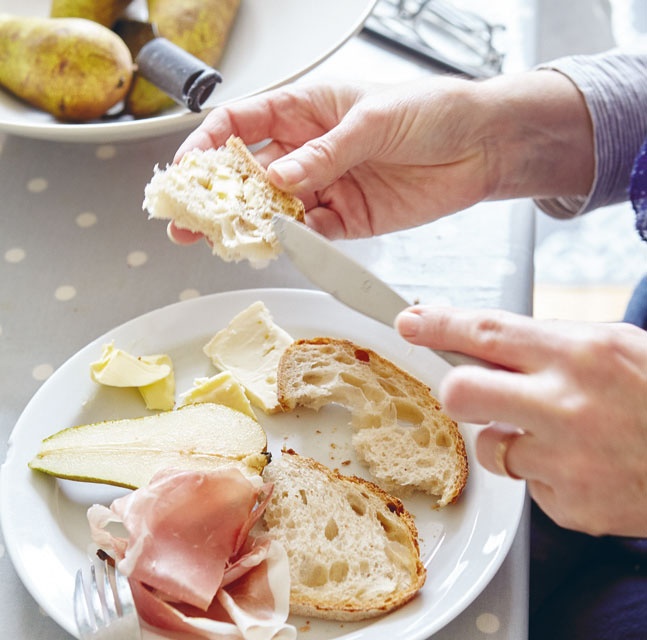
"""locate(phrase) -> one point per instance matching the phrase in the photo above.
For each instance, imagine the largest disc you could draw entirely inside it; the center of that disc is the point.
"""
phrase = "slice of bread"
(353, 549)
(224, 194)
(400, 430)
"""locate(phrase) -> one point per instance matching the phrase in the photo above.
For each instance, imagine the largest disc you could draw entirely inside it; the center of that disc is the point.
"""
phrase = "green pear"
(200, 27)
(128, 452)
(73, 68)
(104, 12)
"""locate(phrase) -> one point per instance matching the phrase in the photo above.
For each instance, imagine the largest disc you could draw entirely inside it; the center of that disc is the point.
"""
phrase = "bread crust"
(292, 206)
(400, 429)
(328, 603)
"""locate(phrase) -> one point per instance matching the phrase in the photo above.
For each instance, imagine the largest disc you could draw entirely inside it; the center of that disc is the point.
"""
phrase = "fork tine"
(81, 612)
(110, 601)
(124, 594)
(126, 603)
(104, 606)
(96, 598)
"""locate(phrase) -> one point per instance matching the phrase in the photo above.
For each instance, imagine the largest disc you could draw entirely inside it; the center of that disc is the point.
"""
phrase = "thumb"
(321, 161)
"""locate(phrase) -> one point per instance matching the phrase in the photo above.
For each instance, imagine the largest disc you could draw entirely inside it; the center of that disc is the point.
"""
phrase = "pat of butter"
(160, 395)
(152, 375)
(225, 184)
(250, 348)
(219, 389)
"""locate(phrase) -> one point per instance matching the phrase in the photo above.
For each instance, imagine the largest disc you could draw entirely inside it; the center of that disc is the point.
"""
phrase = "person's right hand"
(371, 159)
(566, 408)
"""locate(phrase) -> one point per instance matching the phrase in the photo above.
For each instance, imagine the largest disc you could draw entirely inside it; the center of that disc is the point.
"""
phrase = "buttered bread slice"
(352, 548)
(224, 194)
(399, 429)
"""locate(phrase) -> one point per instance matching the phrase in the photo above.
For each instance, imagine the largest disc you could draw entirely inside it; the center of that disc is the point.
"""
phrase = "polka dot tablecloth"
(78, 256)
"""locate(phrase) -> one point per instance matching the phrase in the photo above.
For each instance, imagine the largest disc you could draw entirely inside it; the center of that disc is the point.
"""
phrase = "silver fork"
(103, 606)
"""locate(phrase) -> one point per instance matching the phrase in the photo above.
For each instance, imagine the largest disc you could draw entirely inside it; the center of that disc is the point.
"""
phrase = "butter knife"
(336, 273)
(181, 75)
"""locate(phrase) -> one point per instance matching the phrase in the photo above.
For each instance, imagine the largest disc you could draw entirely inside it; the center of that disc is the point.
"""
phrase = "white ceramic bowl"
(272, 42)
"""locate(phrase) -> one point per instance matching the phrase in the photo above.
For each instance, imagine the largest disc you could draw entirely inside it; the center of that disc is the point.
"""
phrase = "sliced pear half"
(127, 453)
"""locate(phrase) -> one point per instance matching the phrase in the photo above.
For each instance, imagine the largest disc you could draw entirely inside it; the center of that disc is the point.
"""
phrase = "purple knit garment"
(638, 191)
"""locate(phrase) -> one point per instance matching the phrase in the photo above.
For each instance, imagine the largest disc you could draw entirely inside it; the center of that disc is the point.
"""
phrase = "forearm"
(539, 136)
(614, 86)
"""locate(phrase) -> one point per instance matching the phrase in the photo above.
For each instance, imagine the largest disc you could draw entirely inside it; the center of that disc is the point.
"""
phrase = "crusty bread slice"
(224, 194)
(353, 549)
(400, 430)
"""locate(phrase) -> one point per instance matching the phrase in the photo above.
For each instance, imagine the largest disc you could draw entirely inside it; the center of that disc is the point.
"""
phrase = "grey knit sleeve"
(614, 85)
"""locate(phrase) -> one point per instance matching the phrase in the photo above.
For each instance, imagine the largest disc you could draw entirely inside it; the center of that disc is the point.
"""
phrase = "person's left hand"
(577, 394)
(371, 158)
(368, 159)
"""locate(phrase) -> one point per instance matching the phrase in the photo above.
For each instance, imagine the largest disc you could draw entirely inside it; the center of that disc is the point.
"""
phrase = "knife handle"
(458, 359)
(181, 75)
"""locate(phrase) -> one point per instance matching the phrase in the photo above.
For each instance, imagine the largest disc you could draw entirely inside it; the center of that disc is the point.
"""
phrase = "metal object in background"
(181, 75)
(440, 32)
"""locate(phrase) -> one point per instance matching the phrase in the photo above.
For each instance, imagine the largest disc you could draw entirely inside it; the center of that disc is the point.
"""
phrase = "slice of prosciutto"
(192, 563)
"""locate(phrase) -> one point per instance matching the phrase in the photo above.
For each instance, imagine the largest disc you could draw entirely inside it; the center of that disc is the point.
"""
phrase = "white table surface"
(78, 257)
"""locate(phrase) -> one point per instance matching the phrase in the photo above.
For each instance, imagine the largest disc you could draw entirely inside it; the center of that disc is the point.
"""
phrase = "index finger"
(285, 115)
(509, 340)
(250, 119)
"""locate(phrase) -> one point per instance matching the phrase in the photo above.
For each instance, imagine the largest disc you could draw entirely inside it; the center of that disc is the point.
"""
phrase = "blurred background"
(586, 268)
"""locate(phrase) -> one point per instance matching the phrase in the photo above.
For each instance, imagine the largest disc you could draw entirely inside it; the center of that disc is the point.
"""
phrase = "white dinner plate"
(272, 42)
(44, 522)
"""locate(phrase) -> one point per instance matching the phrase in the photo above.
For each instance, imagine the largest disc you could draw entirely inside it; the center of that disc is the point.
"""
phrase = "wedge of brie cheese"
(250, 348)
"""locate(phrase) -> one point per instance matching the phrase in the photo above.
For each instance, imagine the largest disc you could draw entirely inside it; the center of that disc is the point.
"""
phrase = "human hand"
(371, 159)
(576, 392)
(359, 156)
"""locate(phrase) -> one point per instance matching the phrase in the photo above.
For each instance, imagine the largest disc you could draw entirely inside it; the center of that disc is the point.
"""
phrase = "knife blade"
(348, 281)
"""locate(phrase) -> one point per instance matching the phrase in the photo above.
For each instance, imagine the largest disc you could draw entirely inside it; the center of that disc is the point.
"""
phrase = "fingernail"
(408, 324)
(286, 173)
(170, 234)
